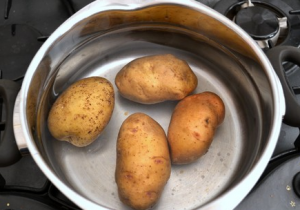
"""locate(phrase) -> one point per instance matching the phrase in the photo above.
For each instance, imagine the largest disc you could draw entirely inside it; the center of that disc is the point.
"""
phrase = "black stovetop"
(25, 25)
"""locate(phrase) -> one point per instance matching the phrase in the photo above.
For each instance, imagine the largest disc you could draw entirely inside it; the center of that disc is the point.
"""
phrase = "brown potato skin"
(82, 111)
(157, 78)
(192, 126)
(143, 161)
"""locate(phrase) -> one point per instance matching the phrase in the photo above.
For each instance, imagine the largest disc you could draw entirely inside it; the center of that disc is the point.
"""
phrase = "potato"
(192, 126)
(156, 78)
(143, 161)
(82, 111)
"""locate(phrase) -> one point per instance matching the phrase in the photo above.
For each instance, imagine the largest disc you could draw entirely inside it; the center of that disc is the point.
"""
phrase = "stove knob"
(296, 184)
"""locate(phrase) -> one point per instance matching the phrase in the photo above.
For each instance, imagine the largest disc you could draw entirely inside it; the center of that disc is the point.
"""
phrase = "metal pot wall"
(104, 36)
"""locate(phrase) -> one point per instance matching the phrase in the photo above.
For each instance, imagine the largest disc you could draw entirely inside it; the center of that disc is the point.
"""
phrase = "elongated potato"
(193, 125)
(143, 161)
(156, 78)
(82, 111)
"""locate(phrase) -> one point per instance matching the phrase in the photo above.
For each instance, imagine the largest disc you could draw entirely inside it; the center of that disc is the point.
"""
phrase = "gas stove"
(25, 25)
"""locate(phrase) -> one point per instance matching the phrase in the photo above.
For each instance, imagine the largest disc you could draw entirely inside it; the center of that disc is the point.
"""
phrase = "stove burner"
(282, 14)
(260, 23)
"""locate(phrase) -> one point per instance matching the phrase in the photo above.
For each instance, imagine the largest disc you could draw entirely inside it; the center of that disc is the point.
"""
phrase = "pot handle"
(9, 152)
(277, 56)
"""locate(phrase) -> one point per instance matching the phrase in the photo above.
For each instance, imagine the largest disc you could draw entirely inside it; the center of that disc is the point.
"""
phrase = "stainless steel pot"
(103, 37)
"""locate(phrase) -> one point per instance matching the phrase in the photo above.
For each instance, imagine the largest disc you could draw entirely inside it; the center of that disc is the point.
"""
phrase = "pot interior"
(238, 79)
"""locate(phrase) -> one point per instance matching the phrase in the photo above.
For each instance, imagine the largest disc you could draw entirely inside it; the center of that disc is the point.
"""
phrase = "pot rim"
(224, 201)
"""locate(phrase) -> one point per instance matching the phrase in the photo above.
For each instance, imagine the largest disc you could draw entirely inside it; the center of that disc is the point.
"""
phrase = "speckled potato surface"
(143, 161)
(157, 78)
(82, 111)
(193, 125)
